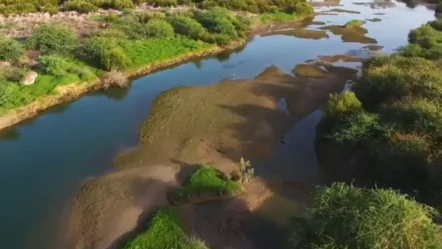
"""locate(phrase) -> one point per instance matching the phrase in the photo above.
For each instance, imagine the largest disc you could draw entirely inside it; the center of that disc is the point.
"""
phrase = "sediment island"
(191, 183)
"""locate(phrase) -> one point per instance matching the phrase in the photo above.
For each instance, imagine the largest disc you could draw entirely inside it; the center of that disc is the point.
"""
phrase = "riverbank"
(72, 91)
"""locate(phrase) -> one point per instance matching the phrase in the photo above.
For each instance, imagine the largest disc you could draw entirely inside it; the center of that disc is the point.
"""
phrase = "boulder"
(29, 78)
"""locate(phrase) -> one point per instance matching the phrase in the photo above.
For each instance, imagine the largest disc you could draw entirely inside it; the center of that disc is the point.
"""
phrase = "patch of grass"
(206, 181)
(148, 51)
(354, 23)
(279, 16)
(165, 232)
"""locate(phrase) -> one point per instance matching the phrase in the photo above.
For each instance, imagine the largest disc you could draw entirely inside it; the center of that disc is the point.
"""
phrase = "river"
(45, 160)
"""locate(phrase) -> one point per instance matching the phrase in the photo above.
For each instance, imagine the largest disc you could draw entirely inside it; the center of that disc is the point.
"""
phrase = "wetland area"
(86, 173)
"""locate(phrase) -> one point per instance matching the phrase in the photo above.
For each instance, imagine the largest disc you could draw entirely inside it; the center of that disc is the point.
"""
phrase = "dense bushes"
(217, 20)
(186, 26)
(159, 29)
(343, 216)
(8, 7)
(398, 133)
(10, 50)
(106, 53)
(54, 64)
(80, 6)
(50, 38)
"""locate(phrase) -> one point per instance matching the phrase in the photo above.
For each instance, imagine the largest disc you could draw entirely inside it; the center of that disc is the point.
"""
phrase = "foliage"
(159, 29)
(205, 182)
(164, 231)
(106, 53)
(343, 216)
(218, 20)
(54, 64)
(438, 7)
(388, 79)
(148, 51)
(187, 26)
(81, 6)
(354, 23)
(50, 38)
(340, 104)
(10, 49)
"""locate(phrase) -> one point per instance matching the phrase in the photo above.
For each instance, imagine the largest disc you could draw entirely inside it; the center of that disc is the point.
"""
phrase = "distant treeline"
(10, 7)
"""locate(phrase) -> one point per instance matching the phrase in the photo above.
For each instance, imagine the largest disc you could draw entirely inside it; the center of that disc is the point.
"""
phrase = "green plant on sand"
(164, 231)
(205, 182)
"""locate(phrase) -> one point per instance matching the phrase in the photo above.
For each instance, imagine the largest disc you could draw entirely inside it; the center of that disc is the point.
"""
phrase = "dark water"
(44, 161)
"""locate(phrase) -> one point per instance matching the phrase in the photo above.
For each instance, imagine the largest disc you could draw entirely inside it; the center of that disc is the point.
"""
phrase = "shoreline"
(76, 90)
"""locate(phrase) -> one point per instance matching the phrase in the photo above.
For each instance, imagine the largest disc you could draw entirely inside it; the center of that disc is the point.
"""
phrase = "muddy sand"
(215, 124)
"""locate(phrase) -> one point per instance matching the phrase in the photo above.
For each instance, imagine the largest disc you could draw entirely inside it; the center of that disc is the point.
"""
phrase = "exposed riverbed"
(46, 160)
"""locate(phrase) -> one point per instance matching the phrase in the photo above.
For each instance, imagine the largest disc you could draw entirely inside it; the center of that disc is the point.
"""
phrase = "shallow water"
(44, 161)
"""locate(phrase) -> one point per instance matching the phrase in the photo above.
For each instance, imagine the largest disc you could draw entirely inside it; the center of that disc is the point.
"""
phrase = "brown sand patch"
(353, 34)
(344, 11)
(309, 70)
(302, 33)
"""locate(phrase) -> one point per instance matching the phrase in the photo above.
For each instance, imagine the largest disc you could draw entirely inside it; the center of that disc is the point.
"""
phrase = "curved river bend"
(45, 160)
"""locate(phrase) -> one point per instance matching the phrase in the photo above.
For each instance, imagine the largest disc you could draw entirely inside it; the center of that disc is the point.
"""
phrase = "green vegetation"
(128, 42)
(205, 182)
(354, 23)
(10, 50)
(393, 120)
(8, 7)
(343, 216)
(164, 231)
(49, 38)
(279, 16)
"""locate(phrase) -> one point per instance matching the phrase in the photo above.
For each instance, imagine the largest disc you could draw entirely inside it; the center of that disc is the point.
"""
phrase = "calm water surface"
(44, 161)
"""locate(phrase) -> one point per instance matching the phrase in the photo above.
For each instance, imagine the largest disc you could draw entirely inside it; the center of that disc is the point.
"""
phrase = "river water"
(45, 160)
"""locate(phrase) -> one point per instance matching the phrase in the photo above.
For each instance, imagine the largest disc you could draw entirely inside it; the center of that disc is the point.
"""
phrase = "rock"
(29, 78)
(4, 65)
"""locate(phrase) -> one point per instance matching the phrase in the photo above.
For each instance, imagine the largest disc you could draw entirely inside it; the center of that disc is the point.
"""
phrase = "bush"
(343, 216)
(388, 79)
(341, 104)
(357, 129)
(438, 9)
(159, 29)
(80, 6)
(205, 182)
(186, 26)
(10, 49)
(50, 38)
(217, 20)
(122, 4)
(106, 53)
(54, 64)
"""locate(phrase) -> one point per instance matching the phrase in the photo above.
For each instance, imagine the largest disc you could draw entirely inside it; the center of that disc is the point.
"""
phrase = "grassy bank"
(164, 231)
(129, 43)
(392, 121)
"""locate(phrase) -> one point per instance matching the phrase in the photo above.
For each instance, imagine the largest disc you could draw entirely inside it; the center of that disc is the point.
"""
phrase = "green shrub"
(387, 79)
(217, 20)
(159, 29)
(10, 49)
(164, 231)
(106, 53)
(301, 8)
(81, 6)
(341, 104)
(357, 129)
(50, 38)
(343, 216)
(205, 182)
(436, 24)
(186, 26)
(122, 4)
(54, 64)
(83, 73)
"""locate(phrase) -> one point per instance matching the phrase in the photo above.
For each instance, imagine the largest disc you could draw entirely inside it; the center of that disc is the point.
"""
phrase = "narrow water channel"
(45, 160)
